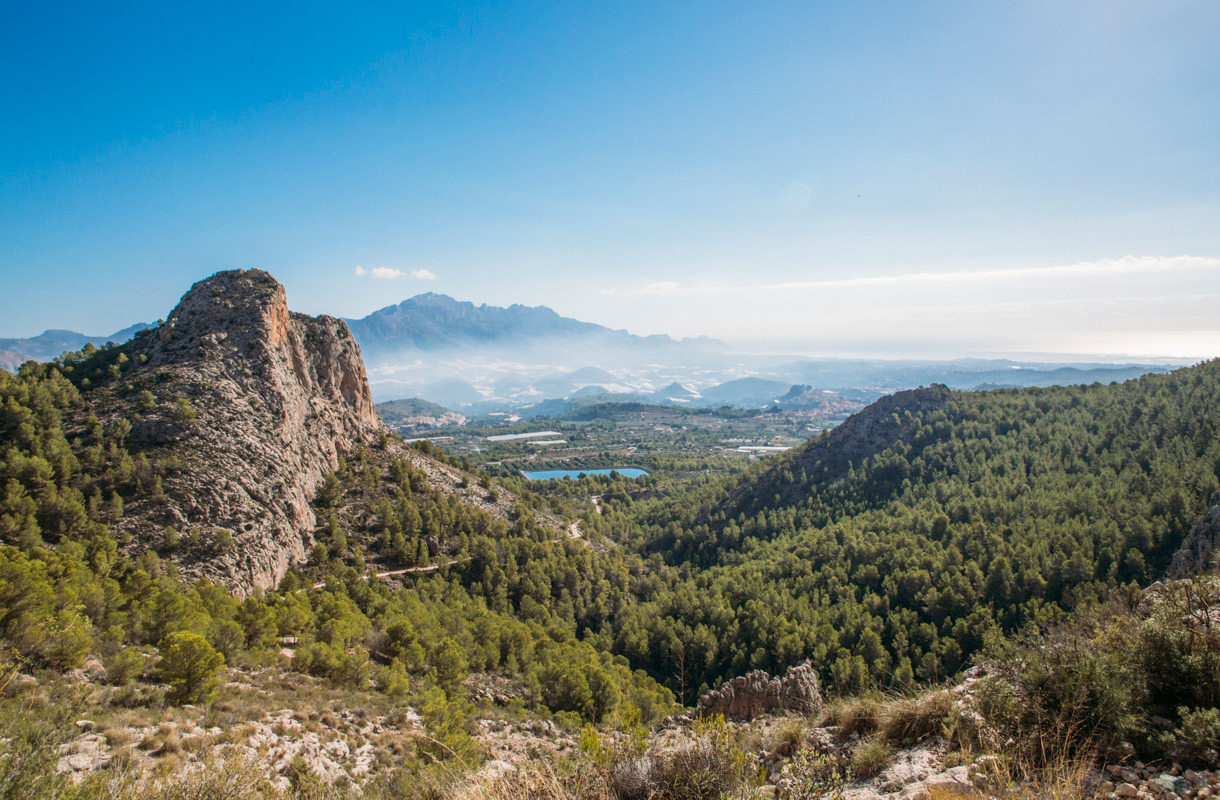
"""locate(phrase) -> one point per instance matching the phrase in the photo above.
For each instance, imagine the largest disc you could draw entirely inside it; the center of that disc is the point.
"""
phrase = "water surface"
(564, 474)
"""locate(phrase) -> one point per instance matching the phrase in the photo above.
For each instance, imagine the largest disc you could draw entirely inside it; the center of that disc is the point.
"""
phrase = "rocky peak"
(245, 312)
(277, 398)
(234, 300)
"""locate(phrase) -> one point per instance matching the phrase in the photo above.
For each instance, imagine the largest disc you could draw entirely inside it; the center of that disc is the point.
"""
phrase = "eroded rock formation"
(756, 693)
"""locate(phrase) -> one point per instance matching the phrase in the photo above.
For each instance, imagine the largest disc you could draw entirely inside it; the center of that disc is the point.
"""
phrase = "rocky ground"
(288, 724)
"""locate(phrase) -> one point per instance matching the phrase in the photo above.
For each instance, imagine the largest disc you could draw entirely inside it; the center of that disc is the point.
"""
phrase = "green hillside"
(888, 548)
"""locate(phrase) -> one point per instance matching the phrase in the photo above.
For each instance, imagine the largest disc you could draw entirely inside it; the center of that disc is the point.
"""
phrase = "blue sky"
(883, 178)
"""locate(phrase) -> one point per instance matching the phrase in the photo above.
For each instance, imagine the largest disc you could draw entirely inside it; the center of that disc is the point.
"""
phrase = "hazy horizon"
(1177, 349)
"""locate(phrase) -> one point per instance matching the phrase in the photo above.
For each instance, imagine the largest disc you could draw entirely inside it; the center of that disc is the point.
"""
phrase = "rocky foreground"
(782, 740)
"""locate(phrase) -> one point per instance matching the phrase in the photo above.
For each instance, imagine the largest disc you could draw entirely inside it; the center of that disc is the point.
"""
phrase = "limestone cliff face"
(277, 398)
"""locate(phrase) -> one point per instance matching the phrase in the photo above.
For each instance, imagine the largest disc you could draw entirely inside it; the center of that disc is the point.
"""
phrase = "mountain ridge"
(53, 341)
(433, 321)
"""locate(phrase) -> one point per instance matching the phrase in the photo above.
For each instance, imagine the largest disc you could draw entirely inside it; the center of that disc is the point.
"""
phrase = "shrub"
(1087, 684)
(124, 666)
(1180, 647)
(710, 765)
(811, 774)
(1199, 734)
(190, 666)
(183, 410)
(224, 540)
(1077, 685)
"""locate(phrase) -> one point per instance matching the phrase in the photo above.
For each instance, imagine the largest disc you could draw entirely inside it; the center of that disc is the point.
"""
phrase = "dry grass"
(900, 721)
(119, 736)
(197, 744)
(216, 778)
(544, 782)
(788, 738)
(171, 742)
(1063, 778)
(871, 757)
(908, 720)
(236, 734)
(854, 715)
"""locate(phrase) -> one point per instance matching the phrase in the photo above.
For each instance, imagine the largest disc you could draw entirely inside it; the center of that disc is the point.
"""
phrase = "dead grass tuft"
(854, 715)
(119, 736)
(908, 720)
(789, 738)
(871, 757)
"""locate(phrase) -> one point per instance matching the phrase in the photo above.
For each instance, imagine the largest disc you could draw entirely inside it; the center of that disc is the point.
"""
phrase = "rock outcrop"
(254, 405)
(1200, 550)
(756, 693)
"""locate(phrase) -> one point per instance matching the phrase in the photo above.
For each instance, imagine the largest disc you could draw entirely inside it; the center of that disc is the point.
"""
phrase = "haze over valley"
(481, 359)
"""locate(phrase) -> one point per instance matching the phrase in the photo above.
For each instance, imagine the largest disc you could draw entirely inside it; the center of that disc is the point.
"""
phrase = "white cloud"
(1127, 265)
(390, 274)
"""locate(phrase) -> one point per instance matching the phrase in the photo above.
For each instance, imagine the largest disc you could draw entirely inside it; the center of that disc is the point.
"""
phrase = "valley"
(214, 510)
(658, 438)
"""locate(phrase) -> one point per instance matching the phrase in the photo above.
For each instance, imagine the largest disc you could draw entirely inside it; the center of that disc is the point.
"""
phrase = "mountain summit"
(436, 322)
(456, 353)
(255, 404)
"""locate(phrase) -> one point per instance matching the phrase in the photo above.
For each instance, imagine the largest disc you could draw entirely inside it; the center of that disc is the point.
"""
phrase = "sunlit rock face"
(276, 396)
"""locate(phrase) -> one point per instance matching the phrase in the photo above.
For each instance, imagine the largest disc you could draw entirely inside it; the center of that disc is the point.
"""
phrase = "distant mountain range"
(433, 321)
(479, 359)
(51, 343)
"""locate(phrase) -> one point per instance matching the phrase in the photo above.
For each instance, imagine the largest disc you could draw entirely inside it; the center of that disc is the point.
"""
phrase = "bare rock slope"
(255, 404)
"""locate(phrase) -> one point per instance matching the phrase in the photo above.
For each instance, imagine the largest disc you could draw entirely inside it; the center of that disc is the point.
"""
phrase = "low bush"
(1198, 737)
